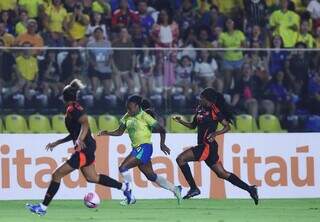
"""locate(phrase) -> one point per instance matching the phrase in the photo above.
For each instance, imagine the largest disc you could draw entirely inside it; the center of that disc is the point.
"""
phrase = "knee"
(223, 175)
(152, 177)
(56, 176)
(92, 179)
(180, 160)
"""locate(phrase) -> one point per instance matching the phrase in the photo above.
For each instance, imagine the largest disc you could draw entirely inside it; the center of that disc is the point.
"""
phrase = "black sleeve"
(66, 139)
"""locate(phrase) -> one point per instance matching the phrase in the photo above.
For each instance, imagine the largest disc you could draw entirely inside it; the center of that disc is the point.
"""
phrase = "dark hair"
(217, 98)
(135, 99)
(70, 91)
(170, 19)
(146, 106)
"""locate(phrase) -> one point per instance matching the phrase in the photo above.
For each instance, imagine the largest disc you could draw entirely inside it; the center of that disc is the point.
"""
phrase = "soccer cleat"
(254, 194)
(192, 193)
(36, 209)
(129, 196)
(177, 194)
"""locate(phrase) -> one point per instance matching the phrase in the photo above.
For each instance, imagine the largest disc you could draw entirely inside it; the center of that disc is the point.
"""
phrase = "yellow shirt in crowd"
(307, 39)
(282, 22)
(235, 40)
(31, 6)
(77, 30)
(27, 67)
(7, 5)
(56, 18)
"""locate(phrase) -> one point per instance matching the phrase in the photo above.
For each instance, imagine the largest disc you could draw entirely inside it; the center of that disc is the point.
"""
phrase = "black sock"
(109, 182)
(187, 174)
(52, 190)
(238, 182)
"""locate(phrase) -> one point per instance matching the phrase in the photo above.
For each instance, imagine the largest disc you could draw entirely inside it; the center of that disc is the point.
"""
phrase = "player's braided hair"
(70, 91)
(217, 98)
(143, 103)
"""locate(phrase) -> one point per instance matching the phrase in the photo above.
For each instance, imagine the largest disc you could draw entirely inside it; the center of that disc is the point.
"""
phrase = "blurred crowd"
(276, 81)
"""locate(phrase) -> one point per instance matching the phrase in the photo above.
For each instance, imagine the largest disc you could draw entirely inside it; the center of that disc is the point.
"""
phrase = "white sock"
(126, 176)
(162, 182)
(43, 207)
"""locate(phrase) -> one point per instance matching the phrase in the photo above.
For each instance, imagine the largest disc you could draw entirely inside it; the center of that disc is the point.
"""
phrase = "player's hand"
(211, 137)
(51, 146)
(80, 144)
(103, 133)
(165, 149)
(177, 118)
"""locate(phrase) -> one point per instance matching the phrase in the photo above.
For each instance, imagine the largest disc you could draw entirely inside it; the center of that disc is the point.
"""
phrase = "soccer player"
(212, 110)
(83, 158)
(140, 126)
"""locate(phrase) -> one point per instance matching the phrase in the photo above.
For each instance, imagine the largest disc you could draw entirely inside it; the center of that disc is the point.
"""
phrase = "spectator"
(205, 70)
(298, 67)
(145, 64)
(247, 92)
(31, 35)
(115, 4)
(203, 40)
(232, 60)
(96, 22)
(256, 38)
(138, 39)
(186, 15)
(5, 36)
(71, 66)
(21, 26)
(27, 72)
(314, 9)
(33, 7)
(50, 74)
(317, 37)
(184, 74)
(56, 16)
(277, 58)
(256, 12)
(8, 21)
(7, 62)
(188, 42)
(213, 18)
(100, 62)
(304, 35)
(285, 23)
(165, 34)
(228, 7)
(280, 95)
(146, 20)
(76, 26)
(123, 16)
(314, 93)
(123, 68)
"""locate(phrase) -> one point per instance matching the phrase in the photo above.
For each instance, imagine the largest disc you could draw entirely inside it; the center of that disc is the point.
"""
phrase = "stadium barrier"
(281, 165)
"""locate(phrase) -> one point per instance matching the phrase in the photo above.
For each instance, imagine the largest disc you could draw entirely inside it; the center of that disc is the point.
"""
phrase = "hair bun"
(77, 84)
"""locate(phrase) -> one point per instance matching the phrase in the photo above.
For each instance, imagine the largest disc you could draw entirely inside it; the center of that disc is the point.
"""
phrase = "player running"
(140, 126)
(79, 132)
(212, 110)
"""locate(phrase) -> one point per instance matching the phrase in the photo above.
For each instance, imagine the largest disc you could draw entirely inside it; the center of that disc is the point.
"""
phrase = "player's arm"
(50, 146)
(117, 132)
(226, 128)
(190, 125)
(157, 128)
(83, 120)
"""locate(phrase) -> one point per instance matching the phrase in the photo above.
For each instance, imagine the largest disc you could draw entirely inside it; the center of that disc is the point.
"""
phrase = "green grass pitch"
(306, 210)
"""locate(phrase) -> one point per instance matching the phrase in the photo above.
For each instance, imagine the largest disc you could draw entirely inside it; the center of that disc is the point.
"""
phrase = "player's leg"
(53, 188)
(148, 171)
(182, 160)
(235, 180)
(129, 162)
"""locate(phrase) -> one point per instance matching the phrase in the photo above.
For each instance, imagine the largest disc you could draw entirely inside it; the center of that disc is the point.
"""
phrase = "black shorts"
(207, 152)
(82, 158)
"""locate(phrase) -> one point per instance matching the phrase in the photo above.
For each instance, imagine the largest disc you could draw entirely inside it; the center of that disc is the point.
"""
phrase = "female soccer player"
(140, 126)
(79, 132)
(212, 110)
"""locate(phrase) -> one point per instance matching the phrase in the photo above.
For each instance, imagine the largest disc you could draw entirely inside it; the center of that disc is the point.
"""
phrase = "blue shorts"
(232, 65)
(142, 152)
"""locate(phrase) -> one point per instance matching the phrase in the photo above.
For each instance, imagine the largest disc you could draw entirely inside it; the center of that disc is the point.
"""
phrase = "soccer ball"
(91, 200)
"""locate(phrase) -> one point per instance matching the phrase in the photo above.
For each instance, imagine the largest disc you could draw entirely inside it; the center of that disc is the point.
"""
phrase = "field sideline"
(167, 210)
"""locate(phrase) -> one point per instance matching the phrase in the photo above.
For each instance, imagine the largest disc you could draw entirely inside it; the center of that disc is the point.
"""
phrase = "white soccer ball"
(91, 200)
